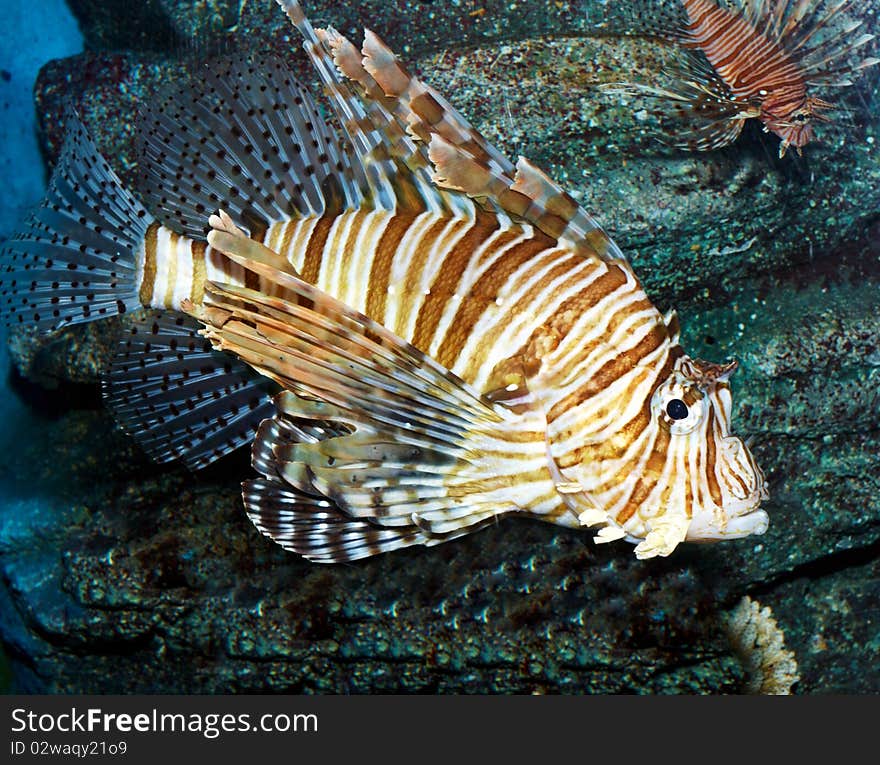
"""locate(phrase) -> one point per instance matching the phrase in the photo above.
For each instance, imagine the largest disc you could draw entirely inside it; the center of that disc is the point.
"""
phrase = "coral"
(771, 668)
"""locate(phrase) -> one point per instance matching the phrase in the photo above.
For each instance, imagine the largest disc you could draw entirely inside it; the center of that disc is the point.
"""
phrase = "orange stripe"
(354, 229)
(200, 274)
(380, 272)
(609, 372)
(450, 273)
(525, 306)
(548, 336)
(488, 286)
(649, 478)
(145, 294)
(711, 478)
(411, 295)
(315, 249)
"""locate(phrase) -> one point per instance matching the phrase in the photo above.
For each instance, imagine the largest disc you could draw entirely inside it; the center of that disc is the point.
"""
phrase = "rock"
(121, 577)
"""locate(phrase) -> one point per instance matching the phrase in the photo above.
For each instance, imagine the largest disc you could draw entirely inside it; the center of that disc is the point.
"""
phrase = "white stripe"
(220, 269)
(469, 277)
(163, 253)
(183, 281)
(330, 273)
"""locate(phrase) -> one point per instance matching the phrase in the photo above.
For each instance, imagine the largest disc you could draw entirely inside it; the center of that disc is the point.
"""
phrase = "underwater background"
(119, 576)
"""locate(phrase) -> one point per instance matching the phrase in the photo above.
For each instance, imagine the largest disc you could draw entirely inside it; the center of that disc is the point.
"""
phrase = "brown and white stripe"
(745, 59)
(457, 339)
(769, 56)
(489, 299)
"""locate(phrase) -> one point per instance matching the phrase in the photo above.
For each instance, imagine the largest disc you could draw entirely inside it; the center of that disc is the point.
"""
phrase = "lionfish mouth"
(742, 511)
(740, 514)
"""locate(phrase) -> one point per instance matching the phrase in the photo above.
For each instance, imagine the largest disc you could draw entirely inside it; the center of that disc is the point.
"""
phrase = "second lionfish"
(455, 339)
(751, 59)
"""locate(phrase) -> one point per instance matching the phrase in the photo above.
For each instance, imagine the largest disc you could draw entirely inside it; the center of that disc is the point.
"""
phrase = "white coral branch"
(760, 644)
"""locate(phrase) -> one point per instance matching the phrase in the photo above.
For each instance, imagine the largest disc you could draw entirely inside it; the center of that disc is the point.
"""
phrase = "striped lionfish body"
(454, 339)
(761, 59)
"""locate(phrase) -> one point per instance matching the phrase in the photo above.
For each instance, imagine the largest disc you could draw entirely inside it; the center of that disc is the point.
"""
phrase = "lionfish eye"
(800, 118)
(677, 409)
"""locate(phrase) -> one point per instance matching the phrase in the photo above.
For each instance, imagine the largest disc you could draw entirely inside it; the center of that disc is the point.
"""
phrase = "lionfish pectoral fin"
(664, 536)
(692, 105)
(405, 453)
(178, 397)
(712, 135)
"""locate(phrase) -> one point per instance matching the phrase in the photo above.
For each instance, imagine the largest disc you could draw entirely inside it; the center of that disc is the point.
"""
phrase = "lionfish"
(753, 59)
(451, 337)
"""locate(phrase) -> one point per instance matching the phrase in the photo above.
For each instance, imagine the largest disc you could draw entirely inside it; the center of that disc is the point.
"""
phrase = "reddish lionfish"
(455, 339)
(754, 59)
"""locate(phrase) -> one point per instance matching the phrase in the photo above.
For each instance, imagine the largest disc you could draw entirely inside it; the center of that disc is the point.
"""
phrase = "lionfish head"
(710, 470)
(795, 128)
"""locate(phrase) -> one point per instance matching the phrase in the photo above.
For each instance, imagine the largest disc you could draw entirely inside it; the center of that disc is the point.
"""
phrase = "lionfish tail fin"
(75, 258)
(368, 431)
(178, 397)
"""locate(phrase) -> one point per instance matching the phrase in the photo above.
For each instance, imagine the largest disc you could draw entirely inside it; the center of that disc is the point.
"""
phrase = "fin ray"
(243, 137)
(73, 260)
(178, 397)
(408, 437)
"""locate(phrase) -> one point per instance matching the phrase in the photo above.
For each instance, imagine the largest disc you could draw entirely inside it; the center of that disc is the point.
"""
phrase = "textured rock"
(412, 25)
(118, 576)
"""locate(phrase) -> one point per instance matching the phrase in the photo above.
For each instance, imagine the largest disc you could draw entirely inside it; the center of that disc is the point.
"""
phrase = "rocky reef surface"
(120, 576)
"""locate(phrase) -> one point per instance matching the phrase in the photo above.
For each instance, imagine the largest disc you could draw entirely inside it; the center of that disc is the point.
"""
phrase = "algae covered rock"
(119, 576)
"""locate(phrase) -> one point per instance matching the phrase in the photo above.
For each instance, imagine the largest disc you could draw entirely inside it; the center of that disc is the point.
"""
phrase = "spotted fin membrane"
(246, 138)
